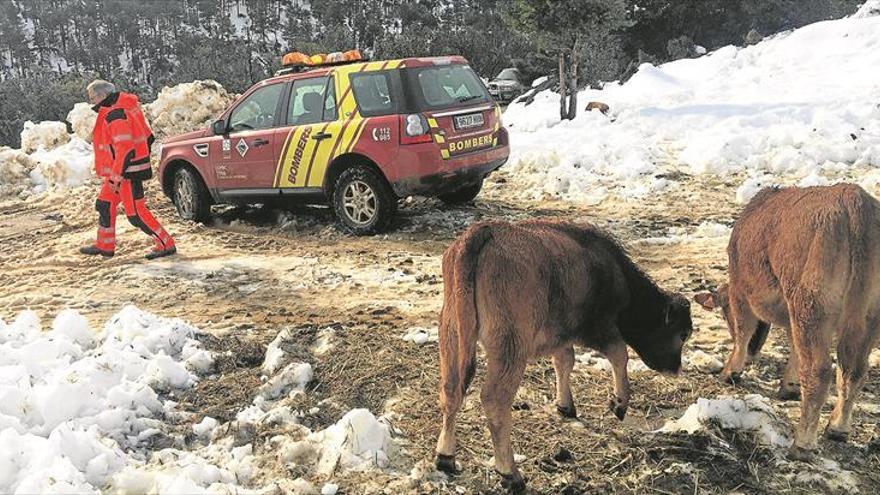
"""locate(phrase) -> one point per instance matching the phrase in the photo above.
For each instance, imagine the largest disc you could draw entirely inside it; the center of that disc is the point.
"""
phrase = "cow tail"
(459, 330)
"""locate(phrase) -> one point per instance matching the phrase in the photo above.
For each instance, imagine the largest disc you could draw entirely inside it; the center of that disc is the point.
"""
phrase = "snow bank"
(82, 118)
(80, 409)
(187, 107)
(15, 168)
(69, 165)
(752, 413)
(45, 135)
(871, 8)
(796, 104)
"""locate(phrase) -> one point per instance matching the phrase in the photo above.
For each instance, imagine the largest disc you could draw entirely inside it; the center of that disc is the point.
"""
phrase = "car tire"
(462, 195)
(190, 196)
(363, 201)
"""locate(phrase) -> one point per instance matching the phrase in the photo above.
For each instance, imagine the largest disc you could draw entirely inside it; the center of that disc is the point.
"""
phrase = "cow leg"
(789, 388)
(503, 377)
(852, 359)
(563, 363)
(453, 388)
(745, 324)
(618, 356)
(811, 339)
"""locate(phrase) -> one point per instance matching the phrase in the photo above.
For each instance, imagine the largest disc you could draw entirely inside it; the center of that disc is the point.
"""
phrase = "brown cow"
(806, 259)
(534, 289)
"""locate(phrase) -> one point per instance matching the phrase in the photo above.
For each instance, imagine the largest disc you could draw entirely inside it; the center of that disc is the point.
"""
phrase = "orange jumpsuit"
(121, 141)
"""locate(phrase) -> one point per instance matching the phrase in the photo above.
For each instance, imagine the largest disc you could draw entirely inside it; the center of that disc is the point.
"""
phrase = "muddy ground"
(254, 272)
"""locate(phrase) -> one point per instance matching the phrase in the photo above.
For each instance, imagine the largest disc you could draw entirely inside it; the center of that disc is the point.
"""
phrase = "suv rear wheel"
(363, 202)
(190, 196)
(462, 195)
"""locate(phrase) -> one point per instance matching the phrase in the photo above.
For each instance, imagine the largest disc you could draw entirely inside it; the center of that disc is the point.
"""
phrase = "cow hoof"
(567, 412)
(796, 453)
(789, 394)
(837, 435)
(734, 378)
(513, 483)
(446, 464)
(618, 408)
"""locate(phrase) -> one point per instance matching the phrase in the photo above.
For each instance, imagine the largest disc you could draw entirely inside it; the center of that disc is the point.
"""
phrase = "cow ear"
(706, 300)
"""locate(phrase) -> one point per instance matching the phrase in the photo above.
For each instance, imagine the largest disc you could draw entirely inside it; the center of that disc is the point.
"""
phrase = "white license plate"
(468, 121)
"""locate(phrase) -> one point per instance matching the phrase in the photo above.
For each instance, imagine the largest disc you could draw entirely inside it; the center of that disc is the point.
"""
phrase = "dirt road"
(255, 272)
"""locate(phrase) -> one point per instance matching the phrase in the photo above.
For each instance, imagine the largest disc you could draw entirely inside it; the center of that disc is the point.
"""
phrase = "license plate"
(468, 121)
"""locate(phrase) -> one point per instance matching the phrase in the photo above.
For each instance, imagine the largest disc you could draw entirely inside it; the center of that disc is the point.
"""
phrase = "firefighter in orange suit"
(121, 141)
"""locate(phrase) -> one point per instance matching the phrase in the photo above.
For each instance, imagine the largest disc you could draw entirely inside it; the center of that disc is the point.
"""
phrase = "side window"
(372, 91)
(257, 111)
(308, 102)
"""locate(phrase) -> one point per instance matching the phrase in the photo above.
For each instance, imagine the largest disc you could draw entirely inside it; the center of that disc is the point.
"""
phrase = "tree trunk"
(563, 90)
(573, 87)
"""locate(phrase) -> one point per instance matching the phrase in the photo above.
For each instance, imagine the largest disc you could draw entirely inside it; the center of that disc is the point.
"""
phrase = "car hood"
(185, 136)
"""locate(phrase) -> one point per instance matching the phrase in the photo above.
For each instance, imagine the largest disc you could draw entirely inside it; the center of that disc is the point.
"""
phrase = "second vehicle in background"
(507, 85)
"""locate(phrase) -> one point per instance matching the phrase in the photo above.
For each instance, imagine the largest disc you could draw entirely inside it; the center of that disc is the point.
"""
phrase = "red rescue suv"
(356, 134)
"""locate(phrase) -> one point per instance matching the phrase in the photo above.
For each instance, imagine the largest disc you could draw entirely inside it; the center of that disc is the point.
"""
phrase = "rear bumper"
(447, 181)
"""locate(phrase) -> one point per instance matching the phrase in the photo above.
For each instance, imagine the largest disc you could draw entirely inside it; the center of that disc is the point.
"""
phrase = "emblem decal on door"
(242, 147)
(382, 134)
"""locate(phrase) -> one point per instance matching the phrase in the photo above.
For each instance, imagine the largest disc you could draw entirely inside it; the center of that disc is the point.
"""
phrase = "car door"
(306, 138)
(246, 163)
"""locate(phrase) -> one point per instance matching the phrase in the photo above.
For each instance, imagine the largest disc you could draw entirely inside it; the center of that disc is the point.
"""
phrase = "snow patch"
(357, 442)
(752, 413)
(79, 409)
(420, 335)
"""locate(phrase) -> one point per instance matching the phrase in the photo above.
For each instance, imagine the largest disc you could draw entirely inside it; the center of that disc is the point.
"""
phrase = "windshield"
(445, 86)
(508, 75)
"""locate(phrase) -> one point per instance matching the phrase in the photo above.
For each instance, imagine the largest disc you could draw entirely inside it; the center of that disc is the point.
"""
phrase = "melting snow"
(752, 412)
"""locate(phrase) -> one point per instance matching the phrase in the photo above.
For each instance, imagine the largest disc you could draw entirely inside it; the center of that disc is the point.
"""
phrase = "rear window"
(445, 86)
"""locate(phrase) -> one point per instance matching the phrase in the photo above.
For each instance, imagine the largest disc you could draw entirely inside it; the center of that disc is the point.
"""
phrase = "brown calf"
(806, 259)
(535, 289)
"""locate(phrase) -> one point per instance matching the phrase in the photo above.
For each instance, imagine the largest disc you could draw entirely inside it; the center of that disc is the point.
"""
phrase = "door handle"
(260, 142)
(321, 135)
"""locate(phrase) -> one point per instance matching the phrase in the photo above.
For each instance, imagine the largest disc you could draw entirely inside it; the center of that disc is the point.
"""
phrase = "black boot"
(94, 251)
(156, 253)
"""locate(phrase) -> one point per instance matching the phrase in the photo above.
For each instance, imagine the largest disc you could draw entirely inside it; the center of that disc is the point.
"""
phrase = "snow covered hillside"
(803, 104)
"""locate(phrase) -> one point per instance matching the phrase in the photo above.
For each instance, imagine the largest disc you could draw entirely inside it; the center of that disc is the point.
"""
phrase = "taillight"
(414, 129)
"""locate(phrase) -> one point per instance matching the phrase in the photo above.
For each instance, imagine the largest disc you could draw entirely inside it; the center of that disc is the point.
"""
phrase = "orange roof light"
(298, 58)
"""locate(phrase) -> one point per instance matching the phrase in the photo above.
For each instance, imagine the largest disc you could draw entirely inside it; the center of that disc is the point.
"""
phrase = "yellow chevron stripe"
(439, 138)
(432, 123)
(280, 166)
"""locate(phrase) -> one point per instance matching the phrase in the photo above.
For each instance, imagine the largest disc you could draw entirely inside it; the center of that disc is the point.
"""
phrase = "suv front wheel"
(363, 202)
(191, 198)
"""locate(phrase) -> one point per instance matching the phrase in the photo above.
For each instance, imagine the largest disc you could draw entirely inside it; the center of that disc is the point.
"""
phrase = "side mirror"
(218, 127)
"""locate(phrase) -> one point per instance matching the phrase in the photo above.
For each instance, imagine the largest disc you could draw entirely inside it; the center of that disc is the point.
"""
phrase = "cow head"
(661, 348)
